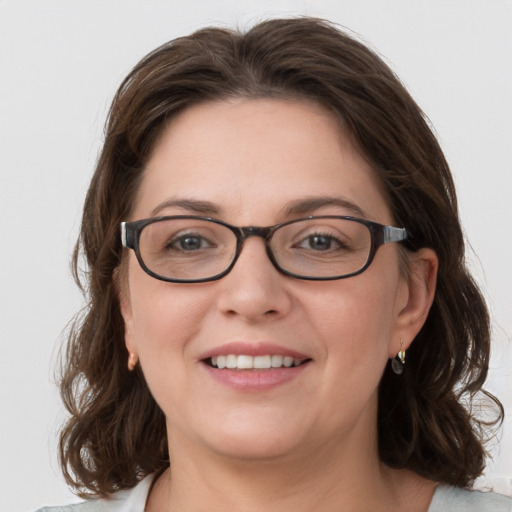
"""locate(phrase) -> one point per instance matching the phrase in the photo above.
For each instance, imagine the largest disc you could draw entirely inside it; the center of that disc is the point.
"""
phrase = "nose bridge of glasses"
(255, 231)
(249, 231)
(266, 233)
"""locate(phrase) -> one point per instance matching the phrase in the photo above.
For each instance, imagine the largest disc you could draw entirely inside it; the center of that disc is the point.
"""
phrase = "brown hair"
(116, 432)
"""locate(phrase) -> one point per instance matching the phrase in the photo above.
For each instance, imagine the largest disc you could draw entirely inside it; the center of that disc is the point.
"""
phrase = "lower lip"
(255, 380)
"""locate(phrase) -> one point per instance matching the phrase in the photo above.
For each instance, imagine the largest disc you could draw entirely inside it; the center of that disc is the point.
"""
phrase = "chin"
(251, 437)
(254, 448)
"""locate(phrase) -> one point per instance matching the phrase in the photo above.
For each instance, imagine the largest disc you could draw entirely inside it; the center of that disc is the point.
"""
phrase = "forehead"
(251, 157)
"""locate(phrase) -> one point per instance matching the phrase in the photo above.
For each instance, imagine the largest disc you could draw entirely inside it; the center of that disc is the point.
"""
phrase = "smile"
(254, 367)
(247, 362)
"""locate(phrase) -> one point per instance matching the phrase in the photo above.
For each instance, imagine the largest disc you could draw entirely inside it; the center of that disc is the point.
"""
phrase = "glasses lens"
(322, 247)
(188, 249)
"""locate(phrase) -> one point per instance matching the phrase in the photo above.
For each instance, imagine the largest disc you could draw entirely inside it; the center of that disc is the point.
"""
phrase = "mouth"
(245, 362)
(254, 367)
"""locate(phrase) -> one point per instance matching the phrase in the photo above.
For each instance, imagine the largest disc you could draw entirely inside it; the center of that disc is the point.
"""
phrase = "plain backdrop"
(60, 63)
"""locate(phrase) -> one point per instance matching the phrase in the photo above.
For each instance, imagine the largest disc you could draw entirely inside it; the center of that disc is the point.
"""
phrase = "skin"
(310, 443)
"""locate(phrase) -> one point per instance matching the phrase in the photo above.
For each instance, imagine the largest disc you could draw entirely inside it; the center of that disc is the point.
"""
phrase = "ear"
(125, 306)
(415, 300)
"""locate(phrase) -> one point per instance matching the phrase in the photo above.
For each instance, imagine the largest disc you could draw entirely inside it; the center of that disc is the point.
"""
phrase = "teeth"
(244, 362)
(231, 361)
(288, 361)
(277, 361)
(262, 362)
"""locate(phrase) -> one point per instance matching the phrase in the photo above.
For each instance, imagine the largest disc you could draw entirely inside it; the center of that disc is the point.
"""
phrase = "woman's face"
(259, 163)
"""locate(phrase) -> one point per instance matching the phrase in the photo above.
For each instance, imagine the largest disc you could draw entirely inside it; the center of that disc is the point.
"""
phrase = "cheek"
(355, 322)
(166, 321)
(164, 316)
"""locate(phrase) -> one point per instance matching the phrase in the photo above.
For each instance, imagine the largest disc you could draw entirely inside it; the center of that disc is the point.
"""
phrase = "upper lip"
(252, 349)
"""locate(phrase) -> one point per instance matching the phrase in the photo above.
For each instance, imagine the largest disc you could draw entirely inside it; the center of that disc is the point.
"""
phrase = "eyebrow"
(191, 205)
(296, 207)
(310, 204)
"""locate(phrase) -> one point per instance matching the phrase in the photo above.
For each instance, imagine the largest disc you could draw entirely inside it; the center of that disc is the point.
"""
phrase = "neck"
(336, 476)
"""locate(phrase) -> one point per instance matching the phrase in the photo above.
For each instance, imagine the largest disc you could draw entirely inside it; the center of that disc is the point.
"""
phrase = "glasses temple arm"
(392, 234)
(123, 234)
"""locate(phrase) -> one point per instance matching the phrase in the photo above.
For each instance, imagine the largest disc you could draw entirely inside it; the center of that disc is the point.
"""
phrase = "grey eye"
(189, 242)
(320, 242)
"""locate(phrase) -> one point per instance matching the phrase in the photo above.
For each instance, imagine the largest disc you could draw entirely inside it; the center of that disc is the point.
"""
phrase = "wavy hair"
(116, 432)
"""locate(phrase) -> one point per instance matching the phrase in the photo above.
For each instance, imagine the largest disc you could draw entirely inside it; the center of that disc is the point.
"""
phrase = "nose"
(254, 289)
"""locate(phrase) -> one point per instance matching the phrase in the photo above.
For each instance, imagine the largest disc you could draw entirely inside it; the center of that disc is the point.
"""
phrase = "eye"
(320, 242)
(188, 242)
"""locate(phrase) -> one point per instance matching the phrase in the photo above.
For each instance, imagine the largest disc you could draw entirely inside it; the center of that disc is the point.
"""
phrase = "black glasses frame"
(379, 234)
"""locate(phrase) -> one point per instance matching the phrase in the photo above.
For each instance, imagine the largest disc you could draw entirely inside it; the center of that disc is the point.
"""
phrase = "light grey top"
(454, 499)
(132, 500)
(446, 499)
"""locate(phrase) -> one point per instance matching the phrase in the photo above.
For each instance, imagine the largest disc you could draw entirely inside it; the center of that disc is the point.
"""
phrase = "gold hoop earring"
(398, 362)
(132, 361)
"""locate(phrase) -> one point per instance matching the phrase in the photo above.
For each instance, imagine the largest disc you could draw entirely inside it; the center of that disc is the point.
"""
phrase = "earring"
(398, 362)
(132, 361)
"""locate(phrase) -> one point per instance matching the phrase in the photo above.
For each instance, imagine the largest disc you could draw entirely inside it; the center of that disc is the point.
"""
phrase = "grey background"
(60, 62)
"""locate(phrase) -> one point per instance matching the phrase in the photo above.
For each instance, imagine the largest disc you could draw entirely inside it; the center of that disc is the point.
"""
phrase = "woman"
(271, 222)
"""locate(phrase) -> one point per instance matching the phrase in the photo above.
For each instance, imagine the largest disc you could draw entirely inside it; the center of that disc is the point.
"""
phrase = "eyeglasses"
(191, 249)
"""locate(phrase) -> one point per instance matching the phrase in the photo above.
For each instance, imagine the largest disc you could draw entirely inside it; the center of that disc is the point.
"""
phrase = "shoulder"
(132, 500)
(454, 499)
